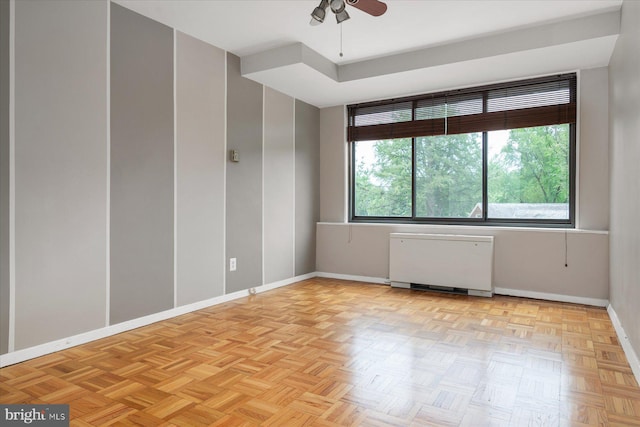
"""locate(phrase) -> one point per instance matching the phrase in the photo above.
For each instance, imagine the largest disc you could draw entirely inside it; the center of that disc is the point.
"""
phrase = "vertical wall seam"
(576, 200)
(175, 171)
(12, 177)
(345, 168)
(293, 223)
(264, 126)
(224, 178)
(108, 195)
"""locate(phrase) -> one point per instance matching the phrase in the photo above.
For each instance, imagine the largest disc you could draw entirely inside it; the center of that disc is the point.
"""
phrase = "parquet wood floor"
(334, 353)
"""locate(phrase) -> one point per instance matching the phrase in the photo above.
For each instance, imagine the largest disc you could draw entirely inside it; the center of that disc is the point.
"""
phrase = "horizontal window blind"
(383, 114)
(527, 103)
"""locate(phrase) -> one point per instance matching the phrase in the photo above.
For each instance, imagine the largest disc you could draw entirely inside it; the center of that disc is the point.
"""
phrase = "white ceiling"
(417, 46)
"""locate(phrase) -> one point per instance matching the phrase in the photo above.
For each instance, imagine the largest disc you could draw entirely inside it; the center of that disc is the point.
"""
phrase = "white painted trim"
(498, 291)
(632, 356)
(175, 169)
(468, 229)
(280, 283)
(264, 126)
(108, 198)
(72, 341)
(366, 279)
(12, 176)
(224, 178)
(29, 353)
(293, 208)
(597, 302)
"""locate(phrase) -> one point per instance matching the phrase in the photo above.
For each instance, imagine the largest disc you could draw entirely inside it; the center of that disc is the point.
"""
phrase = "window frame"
(485, 220)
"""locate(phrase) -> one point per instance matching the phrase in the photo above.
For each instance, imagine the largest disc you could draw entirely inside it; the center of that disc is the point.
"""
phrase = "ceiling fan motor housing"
(337, 6)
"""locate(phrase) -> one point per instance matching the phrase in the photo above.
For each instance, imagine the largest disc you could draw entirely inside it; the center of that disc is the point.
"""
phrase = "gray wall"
(244, 179)
(333, 164)
(525, 260)
(142, 237)
(4, 176)
(279, 197)
(307, 183)
(120, 218)
(60, 169)
(624, 105)
(200, 152)
(593, 150)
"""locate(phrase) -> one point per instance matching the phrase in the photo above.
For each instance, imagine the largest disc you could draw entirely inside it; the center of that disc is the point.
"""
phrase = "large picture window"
(494, 155)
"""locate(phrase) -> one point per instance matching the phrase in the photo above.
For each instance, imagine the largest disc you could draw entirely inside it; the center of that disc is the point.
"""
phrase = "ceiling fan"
(338, 7)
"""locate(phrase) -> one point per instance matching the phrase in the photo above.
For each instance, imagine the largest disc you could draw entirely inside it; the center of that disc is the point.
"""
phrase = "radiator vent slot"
(440, 289)
(445, 262)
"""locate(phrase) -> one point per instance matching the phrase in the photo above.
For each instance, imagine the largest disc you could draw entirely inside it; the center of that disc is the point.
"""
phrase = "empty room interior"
(320, 212)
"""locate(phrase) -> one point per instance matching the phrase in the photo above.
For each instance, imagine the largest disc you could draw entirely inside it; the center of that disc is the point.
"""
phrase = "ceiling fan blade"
(372, 7)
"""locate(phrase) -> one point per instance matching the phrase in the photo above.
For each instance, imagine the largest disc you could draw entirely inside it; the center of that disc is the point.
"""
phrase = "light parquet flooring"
(334, 353)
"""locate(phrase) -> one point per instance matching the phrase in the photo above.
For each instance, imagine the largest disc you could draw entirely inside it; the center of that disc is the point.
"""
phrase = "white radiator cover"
(443, 260)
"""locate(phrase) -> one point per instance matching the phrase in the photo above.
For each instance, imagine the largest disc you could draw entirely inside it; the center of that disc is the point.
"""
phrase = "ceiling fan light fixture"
(342, 16)
(337, 6)
(319, 13)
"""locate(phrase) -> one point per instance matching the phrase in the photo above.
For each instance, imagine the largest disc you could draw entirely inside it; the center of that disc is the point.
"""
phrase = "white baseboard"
(498, 291)
(353, 278)
(83, 338)
(285, 282)
(632, 356)
(552, 297)
(62, 344)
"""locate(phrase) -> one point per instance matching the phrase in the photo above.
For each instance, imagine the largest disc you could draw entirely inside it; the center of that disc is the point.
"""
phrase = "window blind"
(526, 103)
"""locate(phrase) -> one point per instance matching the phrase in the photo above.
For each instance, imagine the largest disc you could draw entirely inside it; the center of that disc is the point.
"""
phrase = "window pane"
(449, 176)
(528, 175)
(382, 172)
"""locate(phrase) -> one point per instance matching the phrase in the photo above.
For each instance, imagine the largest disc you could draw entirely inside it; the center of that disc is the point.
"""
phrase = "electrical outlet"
(232, 264)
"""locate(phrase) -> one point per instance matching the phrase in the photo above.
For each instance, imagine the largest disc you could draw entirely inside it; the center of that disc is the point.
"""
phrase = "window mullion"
(351, 152)
(485, 164)
(485, 175)
(413, 164)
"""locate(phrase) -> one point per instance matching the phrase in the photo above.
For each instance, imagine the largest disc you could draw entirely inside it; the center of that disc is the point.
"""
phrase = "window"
(501, 154)
(448, 174)
(383, 178)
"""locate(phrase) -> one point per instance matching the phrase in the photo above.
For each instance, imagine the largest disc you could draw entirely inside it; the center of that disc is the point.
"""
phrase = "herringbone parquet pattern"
(332, 353)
